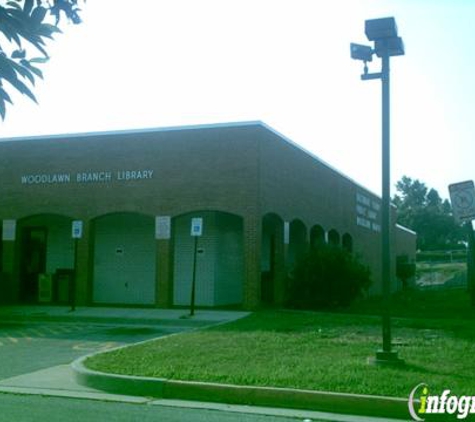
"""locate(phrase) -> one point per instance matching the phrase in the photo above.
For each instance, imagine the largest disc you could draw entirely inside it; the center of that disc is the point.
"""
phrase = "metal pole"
(386, 204)
(471, 261)
(193, 280)
(72, 286)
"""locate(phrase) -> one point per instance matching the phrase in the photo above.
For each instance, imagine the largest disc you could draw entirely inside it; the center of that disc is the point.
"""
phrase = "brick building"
(263, 201)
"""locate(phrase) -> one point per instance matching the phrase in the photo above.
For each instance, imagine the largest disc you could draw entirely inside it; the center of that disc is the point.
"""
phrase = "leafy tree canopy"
(25, 26)
(422, 209)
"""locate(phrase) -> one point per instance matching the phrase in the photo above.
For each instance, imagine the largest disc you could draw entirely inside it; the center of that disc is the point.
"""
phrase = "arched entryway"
(333, 238)
(297, 242)
(45, 246)
(219, 261)
(347, 242)
(317, 236)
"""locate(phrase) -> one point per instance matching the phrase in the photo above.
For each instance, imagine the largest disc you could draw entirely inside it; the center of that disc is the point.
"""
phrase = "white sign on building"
(163, 227)
(286, 232)
(9, 230)
(368, 212)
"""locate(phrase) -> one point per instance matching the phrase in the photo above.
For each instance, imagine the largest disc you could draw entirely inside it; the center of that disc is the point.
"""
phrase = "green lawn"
(320, 351)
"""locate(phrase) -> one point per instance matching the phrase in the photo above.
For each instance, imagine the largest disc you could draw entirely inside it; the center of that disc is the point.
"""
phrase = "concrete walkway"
(119, 315)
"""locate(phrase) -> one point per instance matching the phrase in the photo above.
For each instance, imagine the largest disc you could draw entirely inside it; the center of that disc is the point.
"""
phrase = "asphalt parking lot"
(29, 346)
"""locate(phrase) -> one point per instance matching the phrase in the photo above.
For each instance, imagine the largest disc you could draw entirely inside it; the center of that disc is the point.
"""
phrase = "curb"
(343, 403)
(117, 384)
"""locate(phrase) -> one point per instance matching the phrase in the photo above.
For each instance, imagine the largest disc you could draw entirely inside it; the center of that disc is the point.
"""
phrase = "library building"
(133, 217)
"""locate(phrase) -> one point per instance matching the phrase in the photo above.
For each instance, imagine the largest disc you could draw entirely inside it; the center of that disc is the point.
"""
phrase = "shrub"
(405, 269)
(327, 277)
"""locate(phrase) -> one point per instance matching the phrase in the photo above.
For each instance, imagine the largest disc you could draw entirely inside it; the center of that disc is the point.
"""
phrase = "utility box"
(63, 282)
(45, 288)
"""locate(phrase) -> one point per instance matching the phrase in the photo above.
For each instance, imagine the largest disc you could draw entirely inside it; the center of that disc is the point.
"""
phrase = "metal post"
(193, 280)
(72, 285)
(471, 261)
(387, 355)
(384, 34)
(386, 204)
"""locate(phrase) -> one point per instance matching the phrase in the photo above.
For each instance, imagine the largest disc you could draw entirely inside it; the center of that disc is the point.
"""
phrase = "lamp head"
(361, 52)
(376, 29)
(394, 46)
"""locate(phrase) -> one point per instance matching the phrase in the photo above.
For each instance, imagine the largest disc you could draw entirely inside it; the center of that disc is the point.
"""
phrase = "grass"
(320, 351)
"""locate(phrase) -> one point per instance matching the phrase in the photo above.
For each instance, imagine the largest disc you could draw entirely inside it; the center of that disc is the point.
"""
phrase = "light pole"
(383, 32)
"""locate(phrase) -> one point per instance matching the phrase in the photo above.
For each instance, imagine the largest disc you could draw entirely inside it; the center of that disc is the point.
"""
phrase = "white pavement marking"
(89, 345)
(35, 332)
(50, 330)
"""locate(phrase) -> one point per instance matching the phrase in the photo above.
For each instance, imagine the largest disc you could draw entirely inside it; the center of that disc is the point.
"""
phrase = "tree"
(26, 25)
(423, 210)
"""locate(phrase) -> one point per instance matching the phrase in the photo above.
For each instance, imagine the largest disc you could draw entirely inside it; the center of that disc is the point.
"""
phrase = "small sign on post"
(462, 196)
(77, 229)
(196, 232)
(197, 226)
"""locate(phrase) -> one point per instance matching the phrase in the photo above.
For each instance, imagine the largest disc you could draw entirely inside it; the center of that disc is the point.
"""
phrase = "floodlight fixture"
(376, 29)
(390, 46)
(361, 52)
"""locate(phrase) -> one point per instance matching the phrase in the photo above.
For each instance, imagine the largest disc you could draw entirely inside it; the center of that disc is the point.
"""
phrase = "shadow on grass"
(296, 321)
(412, 303)
(427, 370)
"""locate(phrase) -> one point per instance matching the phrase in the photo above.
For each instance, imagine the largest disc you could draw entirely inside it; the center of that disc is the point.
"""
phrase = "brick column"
(280, 268)
(10, 282)
(164, 274)
(252, 232)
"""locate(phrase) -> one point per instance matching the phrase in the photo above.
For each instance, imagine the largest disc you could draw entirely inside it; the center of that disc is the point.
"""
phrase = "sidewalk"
(176, 317)
(59, 381)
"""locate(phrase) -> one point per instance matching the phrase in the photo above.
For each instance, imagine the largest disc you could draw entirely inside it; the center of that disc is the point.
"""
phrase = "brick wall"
(245, 169)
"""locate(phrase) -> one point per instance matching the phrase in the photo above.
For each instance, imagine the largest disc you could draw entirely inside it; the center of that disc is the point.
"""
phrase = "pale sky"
(161, 63)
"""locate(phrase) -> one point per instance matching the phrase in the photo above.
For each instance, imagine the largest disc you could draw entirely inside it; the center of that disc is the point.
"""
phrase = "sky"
(162, 63)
